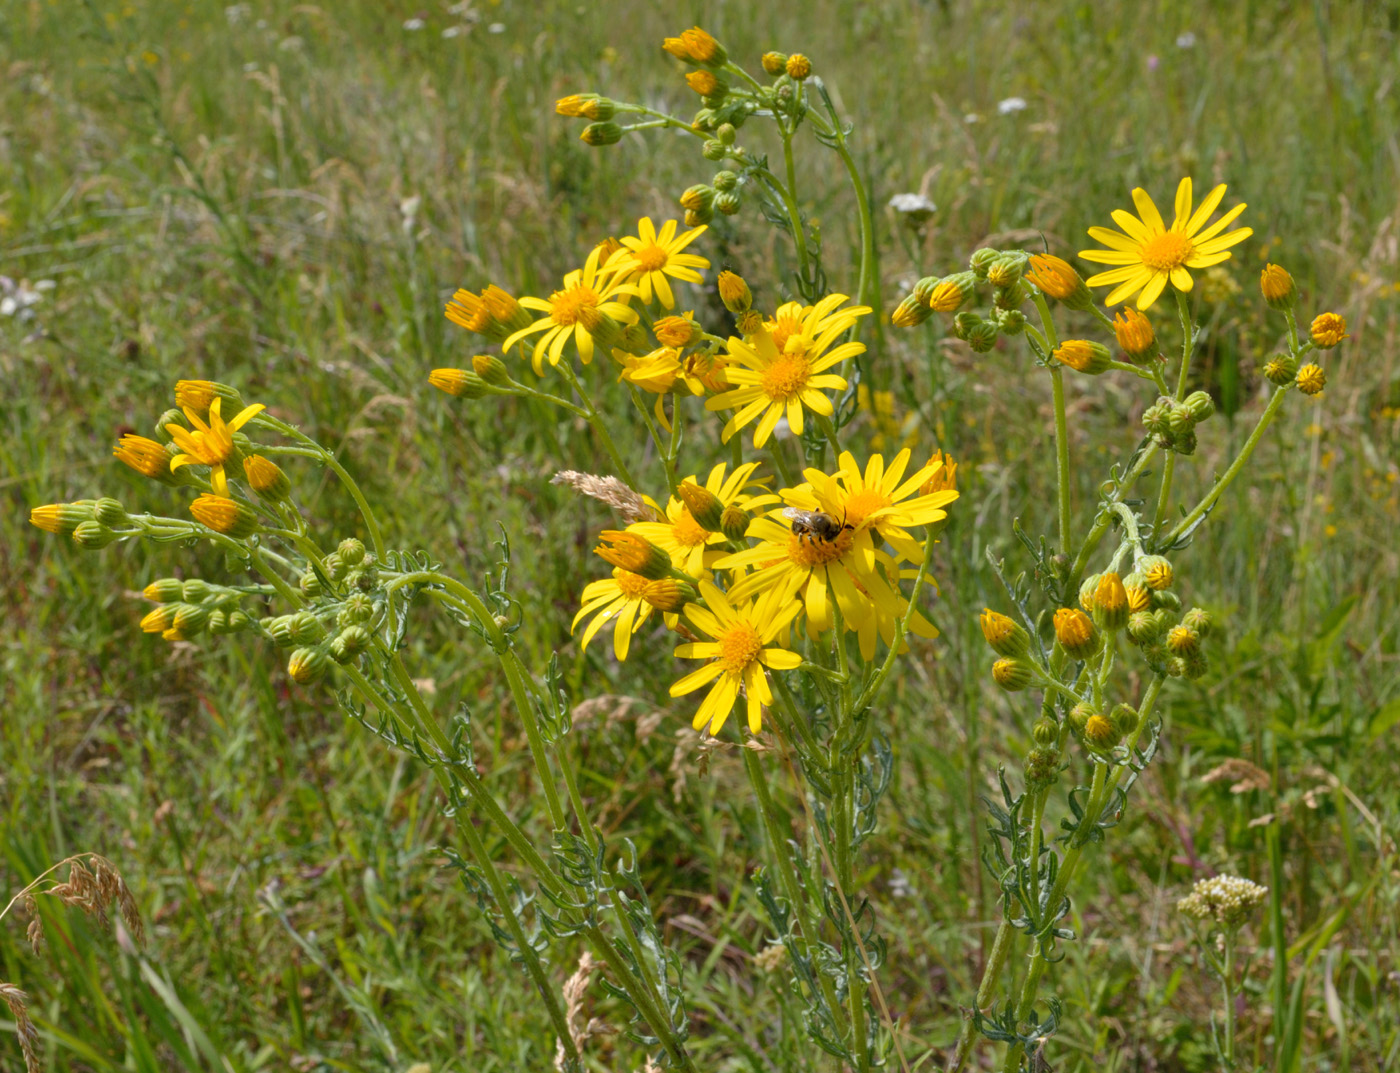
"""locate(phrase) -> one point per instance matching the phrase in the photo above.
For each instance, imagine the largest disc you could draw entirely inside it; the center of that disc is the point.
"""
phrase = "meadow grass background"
(218, 192)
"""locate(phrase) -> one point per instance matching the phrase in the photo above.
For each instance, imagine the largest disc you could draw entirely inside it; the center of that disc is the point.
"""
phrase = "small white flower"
(17, 298)
(900, 887)
(1011, 105)
(453, 31)
(972, 117)
(236, 13)
(413, 24)
(782, 430)
(496, 28)
(914, 204)
(1186, 40)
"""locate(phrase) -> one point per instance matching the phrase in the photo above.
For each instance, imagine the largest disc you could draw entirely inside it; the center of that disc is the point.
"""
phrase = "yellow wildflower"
(146, 457)
(574, 311)
(209, 445)
(690, 545)
(1151, 255)
(650, 256)
(621, 598)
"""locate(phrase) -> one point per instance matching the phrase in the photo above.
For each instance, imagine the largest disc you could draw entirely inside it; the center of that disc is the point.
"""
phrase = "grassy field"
(225, 192)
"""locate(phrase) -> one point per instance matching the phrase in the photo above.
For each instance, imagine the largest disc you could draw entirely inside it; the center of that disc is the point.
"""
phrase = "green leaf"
(1385, 717)
(1328, 634)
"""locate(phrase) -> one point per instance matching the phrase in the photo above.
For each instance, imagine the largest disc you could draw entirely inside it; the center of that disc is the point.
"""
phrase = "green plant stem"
(599, 426)
(1057, 385)
(1105, 518)
(786, 876)
(1001, 946)
(1227, 978)
(1188, 342)
(1210, 498)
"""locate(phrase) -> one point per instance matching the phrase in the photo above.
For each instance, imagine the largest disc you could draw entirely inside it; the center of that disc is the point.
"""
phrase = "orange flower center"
(688, 531)
(738, 647)
(651, 258)
(787, 377)
(630, 584)
(807, 551)
(863, 504)
(1166, 251)
(566, 307)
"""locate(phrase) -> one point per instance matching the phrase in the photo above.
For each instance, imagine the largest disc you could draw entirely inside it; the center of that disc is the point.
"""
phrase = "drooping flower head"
(623, 599)
(1151, 255)
(783, 381)
(576, 311)
(209, 444)
(741, 648)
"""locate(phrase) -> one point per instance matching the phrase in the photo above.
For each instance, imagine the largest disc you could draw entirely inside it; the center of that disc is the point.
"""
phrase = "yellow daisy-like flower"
(649, 257)
(689, 543)
(573, 311)
(880, 502)
(1151, 255)
(209, 445)
(778, 382)
(621, 598)
(793, 318)
(738, 653)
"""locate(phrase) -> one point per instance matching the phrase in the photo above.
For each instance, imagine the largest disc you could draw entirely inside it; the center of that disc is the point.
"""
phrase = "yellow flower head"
(1328, 329)
(944, 477)
(146, 457)
(209, 445)
(1311, 379)
(588, 294)
(199, 394)
(586, 106)
(621, 598)
(1075, 632)
(778, 381)
(704, 83)
(798, 67)
(647, 258)
(633, 552)
(224, 515)
(696, 46)
(738, 653)
(1055, 277)
(1277, 286)
(1151, 255)
(677, 331)
(1134, 334)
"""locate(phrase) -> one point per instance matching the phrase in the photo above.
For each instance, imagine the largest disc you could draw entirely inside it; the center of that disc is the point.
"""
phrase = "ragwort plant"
(793, 570)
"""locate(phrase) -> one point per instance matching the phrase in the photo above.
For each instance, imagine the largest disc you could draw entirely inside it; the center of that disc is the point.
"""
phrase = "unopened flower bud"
(308, 665)
(1010, 321)
(633, 552)
(910, 313)
(1100, 734)
(267, 479)
(279, 629)
(1195, 665)
(696, 46)
(1182, 640)
(1176, 667)
(1006, 268)
(197, 395)
(923, 290)
(164, 590)
(983, 338)
(335, 568)
(716, 150)
(238, 621)
(1134, 334)
(1042, 768)
(1005, 636)
(223, 515)
(1057, 279)
(1166, 600)
(667, 595)
(1139, 595)
(491, 369)
(1180, 421)
(196, 590)
(218, 623)
(707, 84)
(146, 457)
(1198, 619)
(306, 628)
(357, 608)
(460, 383)
(364, 577)
(951, 292)
(600, 134)
(678, 332)
(61, 518)
(1087, 588)
(1084, 356)
(1045, 732)
(1010, 299)
(190, 619)
(724, 180)
(93, 535)
(1156, 571)
(1075, 632)
(1200, 405)
(698, 198)
(734, 522)
(1277, 287)
(1124, 718)
(1143, 628)
(1312, 379)
(170, 417)
(734, 292)
(728, 203)
(159, 619)
(310, 584)
(705, 507)
(354, 639)
(774, 63)
(1184, 443)
(109, 512)
(981, 260)
(1281, 369)
(1013, 675)
(351, 551)
(586, 106)
(1328, 329)
(726, 134)
(1157, 417)
(1110, 602)
(1080, 715)
(749, 322)
(798, 67)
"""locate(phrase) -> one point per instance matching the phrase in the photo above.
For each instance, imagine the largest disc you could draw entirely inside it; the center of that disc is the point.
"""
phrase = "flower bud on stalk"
(1124, 718)
(1080, 715)
(1328, 329)
(1312, 379)
(459, 383)
(667, 595)
(1183, 640)
(306, 628)
(774, 63)
(983, 338)
(586, 106)
(197, 590)
(1110, 602)
(951, 292)
(170, 417)
(357, 608)
(798, 67)
(1005, 636)
(601, 134)
(728, 203)
(981, 260)
(146, 457)
(1084, 356)
(910, 313)
(1139, 595)
(1199, 405)
(1199, 620)
(678, 332)
(1143, 628)
(1075, 632)
(707, 84)
(109, 512)
(491, 369)
(734, 292)
(267, 479)
(1057, 279)
(352, 640)
(734, 522)
(1006, 268)
(698, 198)
(1042, 768)
(1180, 421)
(635, 553)
(696, 46)
(1195, 665)
(1134, 334)
(1013, 675)
(189, 619)
(749, 322)
(1100, 734)
(93, 535)
(197, 395)
(1281, 369)
(1165, 601)
(62, 518)
(310, 584)
(218, 623)
(164, 590)
(1045, 732)
(308, 665)
(704, 506)
(227, 516)
(1087, 589)
(1156, 571)
(1277, 287)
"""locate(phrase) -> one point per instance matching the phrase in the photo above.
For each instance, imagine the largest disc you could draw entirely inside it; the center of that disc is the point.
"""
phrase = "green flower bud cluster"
(192, 606)
(1174, 423)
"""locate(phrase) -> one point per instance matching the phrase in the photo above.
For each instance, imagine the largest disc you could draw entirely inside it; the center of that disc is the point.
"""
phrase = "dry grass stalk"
(575, 988)
(28, 1035)
(630, 506)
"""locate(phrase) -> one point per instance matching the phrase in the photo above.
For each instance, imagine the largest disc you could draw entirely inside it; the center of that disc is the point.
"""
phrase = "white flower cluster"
(1228, 900)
